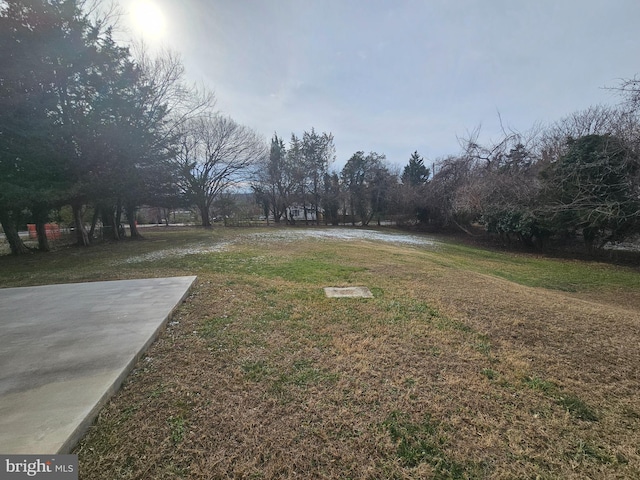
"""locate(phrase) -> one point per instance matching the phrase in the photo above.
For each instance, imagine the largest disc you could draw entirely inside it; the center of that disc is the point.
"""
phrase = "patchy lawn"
(465, 364)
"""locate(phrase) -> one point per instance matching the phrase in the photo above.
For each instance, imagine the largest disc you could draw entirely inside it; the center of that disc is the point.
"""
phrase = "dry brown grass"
(446, 373)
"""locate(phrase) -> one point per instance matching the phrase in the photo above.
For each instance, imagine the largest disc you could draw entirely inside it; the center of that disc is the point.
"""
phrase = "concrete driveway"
(65, 349)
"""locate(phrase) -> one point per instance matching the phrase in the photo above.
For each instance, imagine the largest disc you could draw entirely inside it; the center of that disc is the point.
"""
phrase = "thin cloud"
(408, 75)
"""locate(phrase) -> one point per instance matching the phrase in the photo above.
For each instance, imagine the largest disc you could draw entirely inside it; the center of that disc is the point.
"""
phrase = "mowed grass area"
(467, 363)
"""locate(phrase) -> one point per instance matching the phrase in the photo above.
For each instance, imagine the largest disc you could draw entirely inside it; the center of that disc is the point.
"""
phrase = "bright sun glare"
(148, 19)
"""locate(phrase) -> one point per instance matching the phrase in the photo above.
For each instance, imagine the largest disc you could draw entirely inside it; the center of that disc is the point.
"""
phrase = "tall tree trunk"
(344, 212)
(204, 213)
(117, 221)
(133, 226)
(114, 223)
(109, 224)
(94, 221)
(16, 244)
(316, 201)
(82, 237)
(304, 209)
(353, 214)
(40, 218)
(43, 241)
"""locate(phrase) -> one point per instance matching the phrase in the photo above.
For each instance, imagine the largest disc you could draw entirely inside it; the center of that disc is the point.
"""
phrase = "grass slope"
(466, 364)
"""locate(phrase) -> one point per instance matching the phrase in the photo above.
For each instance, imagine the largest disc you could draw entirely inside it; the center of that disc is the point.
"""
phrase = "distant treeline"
(100, 130)
(578, 178)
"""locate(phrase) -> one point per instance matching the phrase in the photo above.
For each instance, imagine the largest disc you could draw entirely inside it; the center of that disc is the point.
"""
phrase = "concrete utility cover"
(65, 349)
(348, 292)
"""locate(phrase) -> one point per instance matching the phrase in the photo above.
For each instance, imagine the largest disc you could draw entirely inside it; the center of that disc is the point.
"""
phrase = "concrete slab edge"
(84, 426)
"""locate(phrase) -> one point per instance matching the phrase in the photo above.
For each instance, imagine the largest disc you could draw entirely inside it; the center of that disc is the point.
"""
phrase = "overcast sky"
(402, 75)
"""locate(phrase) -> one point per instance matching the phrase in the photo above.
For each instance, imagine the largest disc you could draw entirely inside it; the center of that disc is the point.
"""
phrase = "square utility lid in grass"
(348, 292)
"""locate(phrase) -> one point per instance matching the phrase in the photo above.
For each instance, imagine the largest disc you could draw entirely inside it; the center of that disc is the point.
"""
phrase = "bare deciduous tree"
(215, 154)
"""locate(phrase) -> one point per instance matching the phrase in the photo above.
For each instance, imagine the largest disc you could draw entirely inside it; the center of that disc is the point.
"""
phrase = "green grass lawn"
(164, 250)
